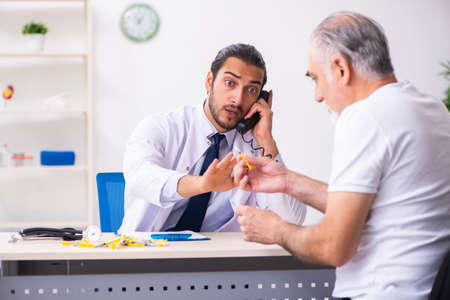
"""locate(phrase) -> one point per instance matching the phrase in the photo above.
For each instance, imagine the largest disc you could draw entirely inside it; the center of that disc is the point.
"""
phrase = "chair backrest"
(441, 285)
(110, 188)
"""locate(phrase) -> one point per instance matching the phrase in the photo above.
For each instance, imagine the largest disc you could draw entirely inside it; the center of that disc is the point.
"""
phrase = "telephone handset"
(245, 125)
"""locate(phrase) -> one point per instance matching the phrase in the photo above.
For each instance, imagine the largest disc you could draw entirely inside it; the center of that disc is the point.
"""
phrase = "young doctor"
(178, 166)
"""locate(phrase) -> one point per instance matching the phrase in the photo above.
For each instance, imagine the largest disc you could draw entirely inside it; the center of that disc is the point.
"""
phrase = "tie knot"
(217, 138)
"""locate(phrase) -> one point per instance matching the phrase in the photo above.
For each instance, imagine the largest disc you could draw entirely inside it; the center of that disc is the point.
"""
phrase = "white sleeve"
(169, 191)
(287, 207)
(361, 152)
(146, 170)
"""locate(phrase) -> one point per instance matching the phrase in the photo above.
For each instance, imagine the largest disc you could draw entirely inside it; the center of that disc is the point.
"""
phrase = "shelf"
(43, 55)
(45, 0)
(39, 111)
(43, 168)
(75, 119)
(57, 224)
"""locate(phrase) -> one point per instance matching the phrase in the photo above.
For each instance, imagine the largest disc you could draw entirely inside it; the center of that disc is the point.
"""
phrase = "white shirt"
(162, 149)
(395, 144)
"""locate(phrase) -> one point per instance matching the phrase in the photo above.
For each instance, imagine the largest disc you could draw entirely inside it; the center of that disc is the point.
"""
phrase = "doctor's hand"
(266, 176)
(258, 225)
(262, 131)
(217, 177)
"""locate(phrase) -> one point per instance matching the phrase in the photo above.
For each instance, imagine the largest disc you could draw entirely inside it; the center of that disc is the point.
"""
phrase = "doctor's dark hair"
(360, 39)
(247, 53)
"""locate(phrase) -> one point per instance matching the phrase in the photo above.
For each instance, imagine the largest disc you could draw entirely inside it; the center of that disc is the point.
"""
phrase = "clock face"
(139, 22)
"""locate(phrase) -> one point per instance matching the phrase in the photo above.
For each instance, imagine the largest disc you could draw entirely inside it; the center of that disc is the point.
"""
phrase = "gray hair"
(358, 39)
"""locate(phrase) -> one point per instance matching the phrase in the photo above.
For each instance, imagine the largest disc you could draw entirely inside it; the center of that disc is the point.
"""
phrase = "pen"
(246, 162)
(171, 236)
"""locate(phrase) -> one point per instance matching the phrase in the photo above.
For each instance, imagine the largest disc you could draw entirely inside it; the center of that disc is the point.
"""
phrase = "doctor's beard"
(214, 111)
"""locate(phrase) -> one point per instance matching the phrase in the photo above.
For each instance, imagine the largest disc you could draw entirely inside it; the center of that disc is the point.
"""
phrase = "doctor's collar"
(229, 135)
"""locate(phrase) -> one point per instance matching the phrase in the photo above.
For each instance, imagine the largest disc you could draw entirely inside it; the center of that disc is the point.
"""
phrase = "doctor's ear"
(209, 82)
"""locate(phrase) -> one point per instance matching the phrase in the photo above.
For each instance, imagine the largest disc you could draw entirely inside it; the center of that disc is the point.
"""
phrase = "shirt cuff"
(279, 159)
(169, 191)
(352, 188)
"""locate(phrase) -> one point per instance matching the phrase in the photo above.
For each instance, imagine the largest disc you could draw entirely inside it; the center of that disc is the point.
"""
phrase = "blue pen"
(171, 236)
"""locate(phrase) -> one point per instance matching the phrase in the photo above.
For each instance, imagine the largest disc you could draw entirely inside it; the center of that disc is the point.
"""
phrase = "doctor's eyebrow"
(232, 74)
(239, 77)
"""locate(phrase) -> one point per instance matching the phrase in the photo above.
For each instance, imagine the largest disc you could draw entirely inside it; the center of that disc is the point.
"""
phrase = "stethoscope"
(92, 233)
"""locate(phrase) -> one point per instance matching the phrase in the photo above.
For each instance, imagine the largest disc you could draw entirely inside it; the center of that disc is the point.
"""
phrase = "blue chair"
(441, 285)
(110, 187)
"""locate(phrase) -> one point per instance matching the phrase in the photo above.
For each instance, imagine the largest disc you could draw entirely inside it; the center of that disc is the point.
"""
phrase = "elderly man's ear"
(341, 70)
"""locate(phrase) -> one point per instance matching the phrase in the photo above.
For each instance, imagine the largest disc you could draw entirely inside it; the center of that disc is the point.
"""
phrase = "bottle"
(5, 156)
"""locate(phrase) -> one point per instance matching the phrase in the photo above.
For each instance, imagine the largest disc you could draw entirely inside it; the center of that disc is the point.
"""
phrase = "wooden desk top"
(222, 244)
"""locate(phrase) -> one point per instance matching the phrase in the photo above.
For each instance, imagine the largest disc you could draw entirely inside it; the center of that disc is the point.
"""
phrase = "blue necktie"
(194, 214)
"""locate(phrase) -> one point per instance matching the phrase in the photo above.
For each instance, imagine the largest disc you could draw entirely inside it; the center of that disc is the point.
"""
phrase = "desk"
(225, 267)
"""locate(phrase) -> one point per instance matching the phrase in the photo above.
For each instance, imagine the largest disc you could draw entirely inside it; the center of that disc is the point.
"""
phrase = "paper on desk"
(195, 236)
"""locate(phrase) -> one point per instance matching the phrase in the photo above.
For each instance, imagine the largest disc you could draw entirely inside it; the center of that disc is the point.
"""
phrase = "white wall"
(132, 80)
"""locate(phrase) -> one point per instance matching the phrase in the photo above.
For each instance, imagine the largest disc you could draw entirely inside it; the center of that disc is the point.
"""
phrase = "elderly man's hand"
(266, 176)
(258, 225)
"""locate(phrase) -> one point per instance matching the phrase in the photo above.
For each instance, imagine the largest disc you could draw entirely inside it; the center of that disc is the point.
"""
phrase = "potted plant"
(446, 74)
(34, 34)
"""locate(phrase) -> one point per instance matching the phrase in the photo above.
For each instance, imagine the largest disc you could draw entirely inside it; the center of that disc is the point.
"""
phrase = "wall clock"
(139, 22)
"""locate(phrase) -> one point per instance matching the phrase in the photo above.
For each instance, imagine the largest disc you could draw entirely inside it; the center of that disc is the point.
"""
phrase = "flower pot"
(34, 41)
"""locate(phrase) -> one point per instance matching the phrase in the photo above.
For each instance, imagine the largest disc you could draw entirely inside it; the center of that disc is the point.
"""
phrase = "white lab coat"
(165, 144)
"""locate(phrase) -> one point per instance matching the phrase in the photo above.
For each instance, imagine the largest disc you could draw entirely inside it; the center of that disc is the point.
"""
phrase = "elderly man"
(387, 206)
